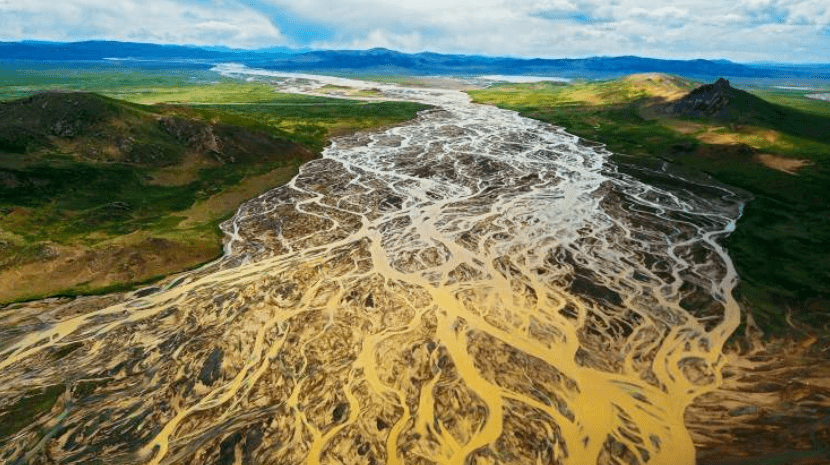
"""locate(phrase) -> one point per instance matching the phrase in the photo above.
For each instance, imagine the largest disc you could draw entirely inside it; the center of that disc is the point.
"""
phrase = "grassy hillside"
(778, 149)
(98, 193)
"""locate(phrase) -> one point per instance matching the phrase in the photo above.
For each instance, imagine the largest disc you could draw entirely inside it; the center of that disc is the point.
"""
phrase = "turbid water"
(471, 287)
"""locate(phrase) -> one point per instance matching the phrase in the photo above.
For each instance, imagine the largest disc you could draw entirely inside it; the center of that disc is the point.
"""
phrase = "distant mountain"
(384, 61)
(99, 50)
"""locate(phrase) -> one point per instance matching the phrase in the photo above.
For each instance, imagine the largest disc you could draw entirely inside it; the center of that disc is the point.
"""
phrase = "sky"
(740, 30)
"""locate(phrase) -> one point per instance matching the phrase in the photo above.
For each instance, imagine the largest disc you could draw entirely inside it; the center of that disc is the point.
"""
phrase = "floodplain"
(449, 282)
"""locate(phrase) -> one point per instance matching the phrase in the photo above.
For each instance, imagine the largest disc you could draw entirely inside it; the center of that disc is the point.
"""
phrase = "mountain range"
(102, 49)
(390, 61)
(384, 61)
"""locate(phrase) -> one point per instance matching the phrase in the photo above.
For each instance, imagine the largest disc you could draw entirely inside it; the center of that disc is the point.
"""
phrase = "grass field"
(782, 244)
(74, 218)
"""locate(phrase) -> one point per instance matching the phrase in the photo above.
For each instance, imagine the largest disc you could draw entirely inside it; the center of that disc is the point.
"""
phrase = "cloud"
(744, 30)
(215, 22)
(385, 39)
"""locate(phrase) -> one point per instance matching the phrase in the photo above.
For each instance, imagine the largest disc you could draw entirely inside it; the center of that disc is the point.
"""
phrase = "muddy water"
(472, 287)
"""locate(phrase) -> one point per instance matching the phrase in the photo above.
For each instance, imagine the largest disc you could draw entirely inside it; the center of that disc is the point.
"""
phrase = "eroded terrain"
(472, 287)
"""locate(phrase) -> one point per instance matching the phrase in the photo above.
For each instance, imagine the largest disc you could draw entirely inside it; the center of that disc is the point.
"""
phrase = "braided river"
(471, 287)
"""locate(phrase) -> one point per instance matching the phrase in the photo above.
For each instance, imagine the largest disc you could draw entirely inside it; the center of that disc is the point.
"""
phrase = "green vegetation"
(23, 78)
(313, 125)
(779, 152)
(794, 99)
(131, 191)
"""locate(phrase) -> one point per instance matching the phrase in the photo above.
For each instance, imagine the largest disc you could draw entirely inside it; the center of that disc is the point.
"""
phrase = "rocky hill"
(722, 102)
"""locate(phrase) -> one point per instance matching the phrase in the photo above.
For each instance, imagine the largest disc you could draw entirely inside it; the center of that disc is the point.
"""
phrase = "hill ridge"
(104, 129)
(723, 103)
(383, 61)
(720, 101)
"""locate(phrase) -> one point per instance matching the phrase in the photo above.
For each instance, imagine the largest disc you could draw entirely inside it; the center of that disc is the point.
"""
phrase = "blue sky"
(742, 30)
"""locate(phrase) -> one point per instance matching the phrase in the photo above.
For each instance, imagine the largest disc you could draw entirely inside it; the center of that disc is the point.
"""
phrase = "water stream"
(470, 287)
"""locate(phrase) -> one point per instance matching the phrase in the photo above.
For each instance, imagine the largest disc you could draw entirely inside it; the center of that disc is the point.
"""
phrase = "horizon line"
(299, 50)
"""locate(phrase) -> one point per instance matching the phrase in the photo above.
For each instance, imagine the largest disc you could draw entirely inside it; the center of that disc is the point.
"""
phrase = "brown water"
(472, 287)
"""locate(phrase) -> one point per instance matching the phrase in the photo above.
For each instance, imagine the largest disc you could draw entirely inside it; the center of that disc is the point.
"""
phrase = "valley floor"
(472, 286)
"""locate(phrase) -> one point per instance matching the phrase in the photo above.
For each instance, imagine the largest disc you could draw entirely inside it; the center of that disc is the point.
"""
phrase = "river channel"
(470, 287)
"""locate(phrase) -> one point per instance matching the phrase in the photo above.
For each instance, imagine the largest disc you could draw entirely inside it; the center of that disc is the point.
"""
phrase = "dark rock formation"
(722, 103)
(717, 101)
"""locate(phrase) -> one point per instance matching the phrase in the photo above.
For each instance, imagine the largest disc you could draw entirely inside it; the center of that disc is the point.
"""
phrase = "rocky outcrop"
(229, 144)
(718, 101)
(196, 135)
(723, 103)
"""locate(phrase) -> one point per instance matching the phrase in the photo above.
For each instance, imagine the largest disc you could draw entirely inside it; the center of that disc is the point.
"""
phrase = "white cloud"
(385, 39)
(741, 30)
(163, 21)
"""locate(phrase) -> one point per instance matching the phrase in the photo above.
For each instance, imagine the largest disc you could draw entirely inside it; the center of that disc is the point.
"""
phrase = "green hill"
(720, 102)
(94, 128)
(30, 123)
